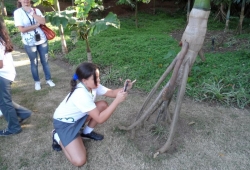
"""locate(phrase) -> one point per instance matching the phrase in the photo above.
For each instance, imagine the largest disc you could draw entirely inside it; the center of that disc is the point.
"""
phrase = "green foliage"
(11, 26)
(131, 3)
(145, 53)
(10, 8)
(43, 2)
(223, 77)
(130, 53)
(76, 18)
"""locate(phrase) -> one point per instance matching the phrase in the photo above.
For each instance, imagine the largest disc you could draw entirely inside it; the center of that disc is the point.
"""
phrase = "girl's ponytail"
(73, 84)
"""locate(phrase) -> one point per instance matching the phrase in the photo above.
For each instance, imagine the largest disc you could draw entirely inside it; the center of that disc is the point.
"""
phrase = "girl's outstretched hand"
(130, 83)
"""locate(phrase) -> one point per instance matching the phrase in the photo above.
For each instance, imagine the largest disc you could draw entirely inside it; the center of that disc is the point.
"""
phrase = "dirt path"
(218, 138)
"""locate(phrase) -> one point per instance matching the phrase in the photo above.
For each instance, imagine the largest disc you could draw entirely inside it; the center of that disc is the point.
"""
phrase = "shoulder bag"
(50, 34)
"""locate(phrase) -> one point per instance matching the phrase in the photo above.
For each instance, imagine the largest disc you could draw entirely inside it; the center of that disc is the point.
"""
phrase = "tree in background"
(78, 20)
(3, 11)
(134, 5)
(229, 3)
(221, 15)
(242, 14)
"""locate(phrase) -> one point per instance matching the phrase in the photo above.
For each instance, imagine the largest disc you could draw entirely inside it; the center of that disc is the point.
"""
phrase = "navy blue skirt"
(67, 132)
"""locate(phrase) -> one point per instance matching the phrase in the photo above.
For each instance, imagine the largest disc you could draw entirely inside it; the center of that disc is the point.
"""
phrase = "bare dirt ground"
(208, 137)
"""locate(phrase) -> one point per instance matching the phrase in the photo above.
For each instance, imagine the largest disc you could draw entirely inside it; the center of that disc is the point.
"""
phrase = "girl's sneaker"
(37, 85)
(50, 83)
(55, 145)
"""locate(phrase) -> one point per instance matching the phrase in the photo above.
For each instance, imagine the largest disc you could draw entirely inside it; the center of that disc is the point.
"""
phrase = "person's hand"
(121, 96)
(130, 84)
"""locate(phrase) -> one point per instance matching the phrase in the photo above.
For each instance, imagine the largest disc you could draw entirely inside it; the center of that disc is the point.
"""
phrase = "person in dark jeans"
(13, 113)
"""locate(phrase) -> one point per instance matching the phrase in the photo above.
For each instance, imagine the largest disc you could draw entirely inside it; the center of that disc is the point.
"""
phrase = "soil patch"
(217, 41)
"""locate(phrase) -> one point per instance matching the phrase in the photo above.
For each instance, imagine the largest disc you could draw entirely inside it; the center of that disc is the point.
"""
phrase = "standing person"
(79, 107)
(11, 111)
(28, 20)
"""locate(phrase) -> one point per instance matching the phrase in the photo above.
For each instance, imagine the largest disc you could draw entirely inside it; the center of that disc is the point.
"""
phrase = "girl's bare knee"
(79, 162)
(101, 105)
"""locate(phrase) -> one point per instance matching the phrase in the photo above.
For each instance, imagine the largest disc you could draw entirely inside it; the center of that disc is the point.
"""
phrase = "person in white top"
(28, 20)
(10, 110)
(79, 107)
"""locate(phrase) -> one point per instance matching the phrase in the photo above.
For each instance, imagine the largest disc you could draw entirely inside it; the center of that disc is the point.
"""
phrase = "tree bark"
(228, 17)
(188, 9)
(241, 16)
(61, 31)
(3, 9)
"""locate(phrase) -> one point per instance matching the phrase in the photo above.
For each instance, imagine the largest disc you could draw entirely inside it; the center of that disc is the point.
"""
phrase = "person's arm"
(101, 117)
(1, 64)
(27, 29)
(113, 93)
(1, 55)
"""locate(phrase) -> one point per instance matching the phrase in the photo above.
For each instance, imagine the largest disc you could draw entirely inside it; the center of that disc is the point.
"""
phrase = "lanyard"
(32, 23)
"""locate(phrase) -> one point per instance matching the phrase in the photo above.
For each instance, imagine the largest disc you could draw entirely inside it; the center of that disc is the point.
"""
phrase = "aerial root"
(156, 154)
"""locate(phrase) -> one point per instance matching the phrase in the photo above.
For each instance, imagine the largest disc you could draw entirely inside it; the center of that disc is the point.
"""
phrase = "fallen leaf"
(191, 123)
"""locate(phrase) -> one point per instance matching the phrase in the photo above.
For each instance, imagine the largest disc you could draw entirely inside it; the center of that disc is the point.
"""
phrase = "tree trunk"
(228, 17)
(241, 16)
(61, 31)
(89, 56)
(188, 9)
(192, 40)
(3, 9)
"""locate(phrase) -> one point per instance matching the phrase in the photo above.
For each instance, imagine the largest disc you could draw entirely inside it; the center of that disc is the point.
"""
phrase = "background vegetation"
(144, 53)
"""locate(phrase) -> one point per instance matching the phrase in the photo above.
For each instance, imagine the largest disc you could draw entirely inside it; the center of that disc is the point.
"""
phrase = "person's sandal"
(55, 145)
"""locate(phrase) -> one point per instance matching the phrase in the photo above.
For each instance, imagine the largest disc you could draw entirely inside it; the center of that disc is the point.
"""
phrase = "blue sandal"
(55, 145)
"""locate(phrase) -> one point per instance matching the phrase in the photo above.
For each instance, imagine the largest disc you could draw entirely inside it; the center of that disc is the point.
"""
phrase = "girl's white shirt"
(79, 103)
(21, 19)
(8, 71)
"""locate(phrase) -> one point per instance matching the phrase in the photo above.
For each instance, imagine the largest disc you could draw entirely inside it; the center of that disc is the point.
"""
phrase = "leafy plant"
(77, 19)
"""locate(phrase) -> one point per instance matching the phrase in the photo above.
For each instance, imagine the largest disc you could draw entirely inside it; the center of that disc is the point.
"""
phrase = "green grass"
(145, 53)
(133, 53)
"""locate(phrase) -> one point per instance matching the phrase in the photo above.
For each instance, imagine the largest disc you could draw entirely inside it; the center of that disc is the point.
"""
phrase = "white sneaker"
(1, 114)
(50, 83)
(37, 85)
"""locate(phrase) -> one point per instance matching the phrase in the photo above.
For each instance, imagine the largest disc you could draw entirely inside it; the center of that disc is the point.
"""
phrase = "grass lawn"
(144, 53)
(207, 137)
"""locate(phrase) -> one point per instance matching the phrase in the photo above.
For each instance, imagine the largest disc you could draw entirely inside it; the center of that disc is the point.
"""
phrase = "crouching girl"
(79, 107)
